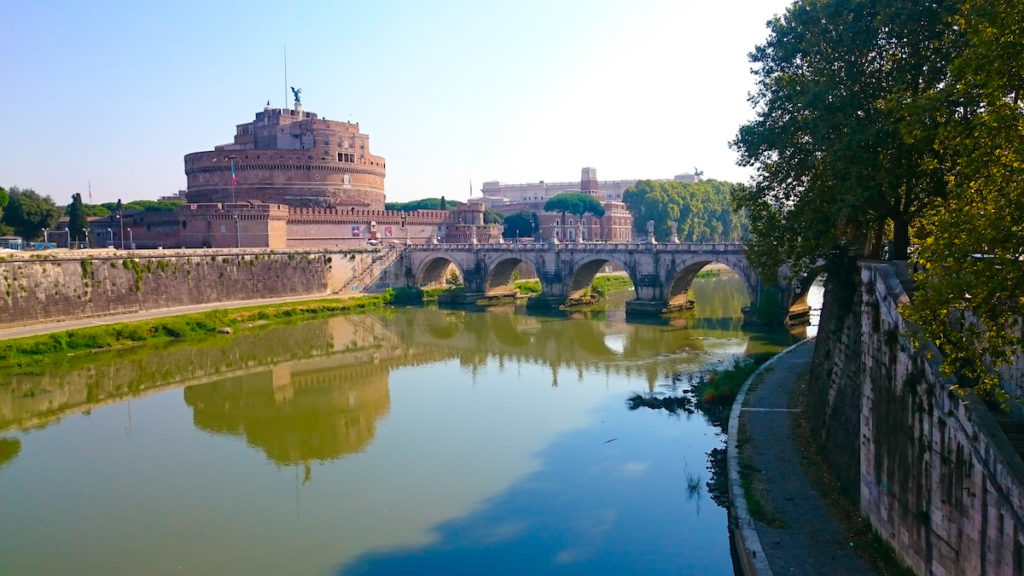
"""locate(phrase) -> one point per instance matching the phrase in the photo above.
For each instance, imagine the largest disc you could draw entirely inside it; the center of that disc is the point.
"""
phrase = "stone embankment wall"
(932, 471)
(52, 287)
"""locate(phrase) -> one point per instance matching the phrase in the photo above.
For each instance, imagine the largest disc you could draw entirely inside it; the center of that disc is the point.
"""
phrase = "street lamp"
(110, 241)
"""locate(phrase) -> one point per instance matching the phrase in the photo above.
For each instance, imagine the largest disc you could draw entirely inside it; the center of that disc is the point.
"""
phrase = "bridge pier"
(655, 307)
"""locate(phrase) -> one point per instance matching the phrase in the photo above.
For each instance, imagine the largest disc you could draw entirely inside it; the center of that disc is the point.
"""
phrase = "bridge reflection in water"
(393, 423)
(264, 369)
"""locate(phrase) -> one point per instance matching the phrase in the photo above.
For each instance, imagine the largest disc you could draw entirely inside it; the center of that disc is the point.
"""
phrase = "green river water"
(420, 440)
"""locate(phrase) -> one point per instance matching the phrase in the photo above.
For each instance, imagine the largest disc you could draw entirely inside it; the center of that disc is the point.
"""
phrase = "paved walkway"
(810, 542)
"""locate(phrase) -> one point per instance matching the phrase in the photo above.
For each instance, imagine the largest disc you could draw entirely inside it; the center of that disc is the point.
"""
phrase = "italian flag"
(234, 179)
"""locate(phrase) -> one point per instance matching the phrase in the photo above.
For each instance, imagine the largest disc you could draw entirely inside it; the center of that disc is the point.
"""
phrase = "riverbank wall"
(56, 286)
(933, 471)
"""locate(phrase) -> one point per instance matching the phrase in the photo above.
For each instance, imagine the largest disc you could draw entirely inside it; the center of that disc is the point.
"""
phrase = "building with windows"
(496, 193)
(615, 226)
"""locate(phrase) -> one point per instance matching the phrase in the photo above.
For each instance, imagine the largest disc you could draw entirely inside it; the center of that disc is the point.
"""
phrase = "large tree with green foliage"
(573, 203)
(848, 111)
(423, 204)
(27, 213)
(520, 225)
(4, 199)
(136, 205)
(493, 217)
(697, 211)
(76, 218)
(970, 294)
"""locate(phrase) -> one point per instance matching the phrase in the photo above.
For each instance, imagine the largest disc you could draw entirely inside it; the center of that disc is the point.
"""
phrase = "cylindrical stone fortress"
(288, 156)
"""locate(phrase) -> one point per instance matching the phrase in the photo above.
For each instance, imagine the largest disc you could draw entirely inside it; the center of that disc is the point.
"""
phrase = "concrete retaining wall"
(934, 474)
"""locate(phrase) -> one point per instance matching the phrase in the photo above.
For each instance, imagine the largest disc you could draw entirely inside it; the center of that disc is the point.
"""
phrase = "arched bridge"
(661, 273)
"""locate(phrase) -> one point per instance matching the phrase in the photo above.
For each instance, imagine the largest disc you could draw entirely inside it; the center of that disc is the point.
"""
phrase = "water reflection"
(295, 414)
(412, 337)
(9, 448)
(449, 436)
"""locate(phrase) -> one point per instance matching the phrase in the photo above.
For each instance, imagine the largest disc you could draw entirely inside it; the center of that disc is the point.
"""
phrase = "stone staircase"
(380, 262)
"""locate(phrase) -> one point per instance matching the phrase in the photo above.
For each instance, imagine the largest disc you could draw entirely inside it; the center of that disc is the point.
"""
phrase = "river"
(420, 440)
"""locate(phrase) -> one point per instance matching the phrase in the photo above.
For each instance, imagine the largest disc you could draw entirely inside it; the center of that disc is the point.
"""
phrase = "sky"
(110, 96)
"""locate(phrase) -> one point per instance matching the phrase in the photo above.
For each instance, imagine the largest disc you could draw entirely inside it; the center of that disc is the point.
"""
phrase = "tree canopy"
(520, 225)
(848, 111)
(4, 199)
(880, 120)
(574, 203)
(698, 211)
(77, 221)
(143, 205)
(493, 217)
(972, 247)
(423, 204)
(27, 213)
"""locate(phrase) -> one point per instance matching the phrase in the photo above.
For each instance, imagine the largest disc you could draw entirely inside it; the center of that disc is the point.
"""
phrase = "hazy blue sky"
(449, 92)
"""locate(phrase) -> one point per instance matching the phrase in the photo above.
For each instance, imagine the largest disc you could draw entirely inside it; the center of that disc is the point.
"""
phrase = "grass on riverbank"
(35, 352)
(721, 386)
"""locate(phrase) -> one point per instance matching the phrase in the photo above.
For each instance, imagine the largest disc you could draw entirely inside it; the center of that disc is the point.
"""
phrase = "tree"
(493, 217)
(574, 203)
(696, 211)
(847, 119)
(520, 225)
(422, 204)
(76, 218)
(27, 213)
(4, 199)
(970, 296)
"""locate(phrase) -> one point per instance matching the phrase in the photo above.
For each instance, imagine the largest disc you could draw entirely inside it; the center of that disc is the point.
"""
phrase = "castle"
(290, 157)
(289, 179)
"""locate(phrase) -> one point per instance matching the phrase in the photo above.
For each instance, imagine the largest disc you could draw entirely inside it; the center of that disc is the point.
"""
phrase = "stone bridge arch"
(661, 273)
(434, 271)
(677, 296)
(582, 276)
(500, 269)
